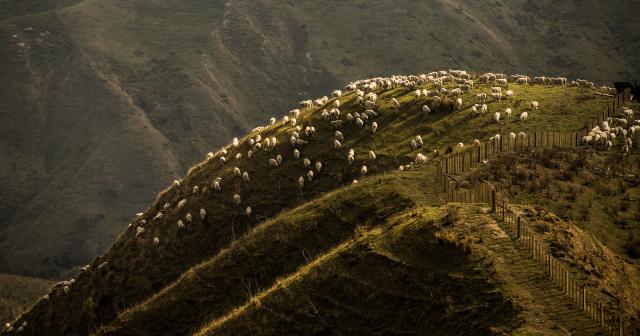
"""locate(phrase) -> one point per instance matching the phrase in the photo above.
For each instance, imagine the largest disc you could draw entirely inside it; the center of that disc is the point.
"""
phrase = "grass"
(17, 295)
(138, 269)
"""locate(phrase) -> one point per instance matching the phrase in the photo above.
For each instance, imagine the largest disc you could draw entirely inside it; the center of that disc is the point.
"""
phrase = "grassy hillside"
(106, 101)
(192, 266)
(17, 294)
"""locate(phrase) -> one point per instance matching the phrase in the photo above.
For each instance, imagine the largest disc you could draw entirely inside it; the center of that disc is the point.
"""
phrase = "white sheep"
(236, 199)
(306, 162)
(419, 142)
(459, 103)
(420, 158)
(195, 189)
(272, 121)
(203, 213)
(296, 154)
(182, 203)
(250, 154)
(245, 176)
(209, 156)
(156, 241)
(535, 104)
(188, 217)
(414, 144)
(216, 184)
(476, 142)
(339, 136)
(139, 231)
(337, 144)
(496, 117)
(318, 166)
(354, 182)
(507, 113)
(158, 216)
(374, 127)
(363, 170)
(301, 182)
(482, 96)
(180, 224)
(310, 175)
(509, 93)
(351, 158)
(279, 159)
(273, 162)
(237, 172)
(359, 122)
(372, 155)
(248, 211)
(426, 110)
(235, 142)
(496, 96)
(484, 108)
(512, 136)
(524, 116)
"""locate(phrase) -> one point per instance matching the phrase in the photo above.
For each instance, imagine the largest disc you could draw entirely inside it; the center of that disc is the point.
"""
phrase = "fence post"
(493, 200)
(517, 227)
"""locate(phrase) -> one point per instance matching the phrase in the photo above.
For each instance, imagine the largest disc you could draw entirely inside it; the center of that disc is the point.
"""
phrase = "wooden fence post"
(517, 227)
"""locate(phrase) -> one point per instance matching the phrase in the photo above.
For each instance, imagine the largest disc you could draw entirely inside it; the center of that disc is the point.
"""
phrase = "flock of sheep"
(301, 133)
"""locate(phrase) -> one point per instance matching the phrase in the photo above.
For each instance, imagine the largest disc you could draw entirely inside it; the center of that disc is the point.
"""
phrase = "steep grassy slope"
(17, 294)
(105, 101)
(596, 190)
(136, 271)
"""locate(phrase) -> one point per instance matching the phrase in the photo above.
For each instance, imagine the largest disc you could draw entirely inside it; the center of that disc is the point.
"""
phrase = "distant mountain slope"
(106, 101)
(18, 293)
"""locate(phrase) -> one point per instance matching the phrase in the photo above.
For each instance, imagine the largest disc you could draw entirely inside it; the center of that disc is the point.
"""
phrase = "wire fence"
(599, 308)
(603, 310)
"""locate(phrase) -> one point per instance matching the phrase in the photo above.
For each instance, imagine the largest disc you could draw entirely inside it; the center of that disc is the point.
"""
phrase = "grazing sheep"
(248, 211)
(359, 122)
(354, 182)
(534, 104)
(158, 216)
(426, 110)
(507, 113)
(460, 145)
(139, 231)
(195, 189)
(310, 175)
(188, 217)
(272, 121)
(167, 205)
(156, 241)
(482, 96)
(476, 142)
(216, 184)
(245, 177)
(363, 170)
(339, 136)
(524, 116)
(249, 154)
(236, 199)
(182, 203)
(459, 103)
(273, 162)
(237, 172)
(180, 224)
(372, 155)
(337, 144)
(223, 159)
(496, 117)
(608, 144)
(512, 136)
(419, 142)
(209, 156)
(203, 213)
(509, 93)
(484, 108)
(279, 159)
(496, 89)
(496, 96)
(420, 158)
(103, 265)
(235, 142)
(301, 182)
(238, 156)
(414, 144)
(296, 154)
(374, 127)
(306, 162)
(318, 166)
(350, 158)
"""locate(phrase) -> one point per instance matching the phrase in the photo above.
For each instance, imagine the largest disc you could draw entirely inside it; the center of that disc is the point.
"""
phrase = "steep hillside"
(106, 101)
(17, 294)
(210, 252)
